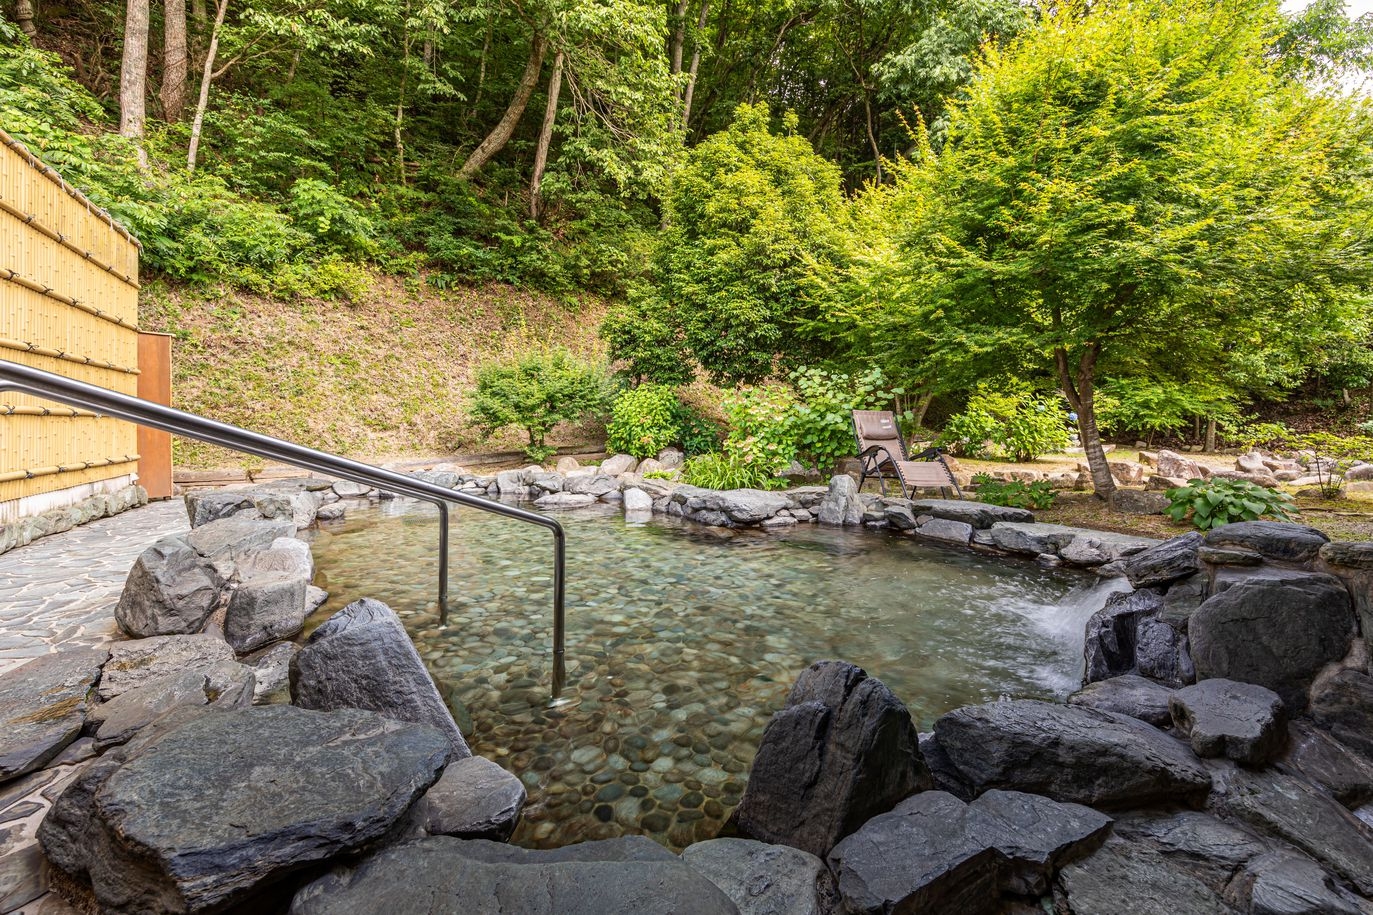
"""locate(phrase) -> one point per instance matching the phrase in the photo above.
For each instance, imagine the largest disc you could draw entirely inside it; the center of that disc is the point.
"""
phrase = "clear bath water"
(682, 641)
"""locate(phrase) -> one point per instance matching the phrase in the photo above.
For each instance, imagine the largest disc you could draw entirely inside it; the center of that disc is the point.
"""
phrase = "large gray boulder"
(172, 589)
(207, 815)
(1111, 645)
(473, 799)
(1166, 562)
(232, 540)
(1295, 811)
(946, 531)
(1123, 877)
(1037, 836)
(1128, 694)
(591, 484)
(1204, 845)
(1031, 539)
(1352, 563)
(43, 706)
(1343, 705)
(842, 751)
(362, 657)
(1094, 548)
(1241, 721)
(1277, 541)
(979, 514)
(1285, 883)
(842, 505)
(735, 506)
(617, 464)
(267, 606)
(1319, 758)
(764, 879)
(1068, 753)
(134, 664)
(1276, 632)
(206, 505)
(443, 875)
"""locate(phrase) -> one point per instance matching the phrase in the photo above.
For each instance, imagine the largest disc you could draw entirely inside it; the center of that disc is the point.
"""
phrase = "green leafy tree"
(1132, 188)
(535, 392)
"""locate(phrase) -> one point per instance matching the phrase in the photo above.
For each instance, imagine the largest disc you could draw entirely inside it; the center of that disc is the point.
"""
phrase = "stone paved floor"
(62, 589)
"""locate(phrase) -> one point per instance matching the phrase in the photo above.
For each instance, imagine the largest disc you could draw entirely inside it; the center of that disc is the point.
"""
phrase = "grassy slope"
(378, 378)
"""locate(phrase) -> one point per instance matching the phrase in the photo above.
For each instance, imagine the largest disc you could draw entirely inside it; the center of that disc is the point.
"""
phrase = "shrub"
(1255, 435)
(1034, 429)
(536, 392)
(334, 221)
(821, 422)
(1037, 495)
(696, 433)
(1220, 501)
(642, 422)
(972, 433)
(727, 471)
(1146, 406)
(1012, 424)
(760, 428)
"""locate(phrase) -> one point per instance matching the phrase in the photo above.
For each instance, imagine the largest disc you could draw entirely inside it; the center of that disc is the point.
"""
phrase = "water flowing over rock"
(1165, 563)
(843, 750)
(1276, 632)
(1276, 540)
(1241, 721)
(842, 504)
(473, 799)
(207, 815)
(43, 707)
(764, 879)
(445, 875)
(1128, 694)
(1069, 754)
(362, 657)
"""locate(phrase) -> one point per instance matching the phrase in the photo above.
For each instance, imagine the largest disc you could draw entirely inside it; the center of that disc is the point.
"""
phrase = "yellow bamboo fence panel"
(68, 305)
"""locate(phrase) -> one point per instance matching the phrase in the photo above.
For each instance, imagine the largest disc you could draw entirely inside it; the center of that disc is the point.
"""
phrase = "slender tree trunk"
(133, 75)
(872, 133)
(23, 17)
(678, 36)
(500, 134)
(922, 406)
(695, 65)
(1210, 445)
(1079, 388)
(207, 76)
(174, 60)
(550, 114)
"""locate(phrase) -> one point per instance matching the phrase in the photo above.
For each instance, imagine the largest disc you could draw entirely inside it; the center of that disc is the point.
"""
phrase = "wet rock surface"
(762, 879)
(843, 750)
(1342, 705)
(473, 799)
(291, 788)
(1292, 543)
(446, 876)
(43, 706)
(1123, 877)
(1128, 694)
(1313, 754)
(1241, 721)
(1068, 753)
(361, 657)
(1166, 562)
(1285, 883)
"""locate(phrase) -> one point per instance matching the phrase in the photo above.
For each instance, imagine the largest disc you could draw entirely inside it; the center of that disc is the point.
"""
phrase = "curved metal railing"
(38, 383)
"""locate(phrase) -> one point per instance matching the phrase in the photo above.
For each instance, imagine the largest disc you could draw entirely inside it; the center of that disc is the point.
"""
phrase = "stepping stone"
(764, 879)
(473, 799)
(1240, 721)
(43, 707)
(842, 751)
(208, 814)
(1080, 755)
(1128, 694)
(443, 874)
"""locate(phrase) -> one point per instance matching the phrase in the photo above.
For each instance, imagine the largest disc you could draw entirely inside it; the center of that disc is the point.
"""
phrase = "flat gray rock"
(206, 505)
(1037, 836)
(1240, 721)
(136, 663)
(764, 879)
(473, 799)
(447, 876)
(1209, 848)
(1276, 632)
(43, 706)
(843, 750)
(1166, 562)
(1124, 878)
(1286, 883)
(565, 500)
(1094, 548)
(232, 539)
(1275, 540)
(591, 484)
(208, 814)
(362, 657)
(1128, 694)
(1293, 810)
(946, 531)
(978, 514)
(1073, 754)
(1030, 538)
(224, 684)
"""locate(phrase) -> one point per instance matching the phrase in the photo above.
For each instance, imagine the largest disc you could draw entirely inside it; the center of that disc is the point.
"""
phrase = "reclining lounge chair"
(882, 451)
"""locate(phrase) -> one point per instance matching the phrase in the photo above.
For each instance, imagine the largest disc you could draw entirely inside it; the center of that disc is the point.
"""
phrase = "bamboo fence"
(69, 305)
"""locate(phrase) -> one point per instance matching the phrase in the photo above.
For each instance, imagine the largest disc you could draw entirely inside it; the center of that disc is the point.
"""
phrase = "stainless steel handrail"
(38, 383)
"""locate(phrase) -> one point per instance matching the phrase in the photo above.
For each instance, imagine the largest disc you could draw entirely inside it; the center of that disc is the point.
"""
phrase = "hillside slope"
(381, 377)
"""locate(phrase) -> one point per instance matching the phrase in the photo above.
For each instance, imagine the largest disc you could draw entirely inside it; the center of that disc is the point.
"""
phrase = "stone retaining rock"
(842, 505)
(232, 540)
(137, 663)
(729, 507)
(565, 500)
(1166, 562)
(762, 879)
(225, 685)
(43, 706)
(1241, 721)
(1276, 540)
(592, 484)
(617, 464)
(843, 750)
(636, 500)
(1352, 563)
(1342, 704)
(1205, 846)
(1031, 538)
(1286, 883)
(362, 657)
(447, 875)
(1038, 836)
(267, 606)
(172, 589)
(209, 814)
(1074, 754)
(1122, 877)
(979, 514)
(1133, 634)
(1276, 632)
(473, 799)
(958, 533)
(1316, 756)
(1128, 694)
(1095, 548)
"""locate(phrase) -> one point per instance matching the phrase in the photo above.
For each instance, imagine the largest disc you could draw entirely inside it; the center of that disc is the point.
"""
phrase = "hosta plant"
(1214, 502)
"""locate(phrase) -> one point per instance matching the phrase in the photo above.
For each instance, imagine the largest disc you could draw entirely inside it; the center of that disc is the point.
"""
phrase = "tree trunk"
(133, 75)
(1079, 389)
(1210, 446)
(550, 114)
(207, 76)
(678, 36)
(500, 134)
(23, 17)
(174, 60)
(922, 406)
(695, 66)
(872, 133)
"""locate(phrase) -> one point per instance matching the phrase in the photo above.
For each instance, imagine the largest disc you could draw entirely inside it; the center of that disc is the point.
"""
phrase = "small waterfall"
(1066, 622)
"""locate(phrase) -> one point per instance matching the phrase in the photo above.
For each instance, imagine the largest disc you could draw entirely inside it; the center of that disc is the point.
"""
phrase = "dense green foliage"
(643, 421)
(727, 470)
(1037, 495)
(1012, 423)
(1218, 501)
(536, 392)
